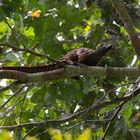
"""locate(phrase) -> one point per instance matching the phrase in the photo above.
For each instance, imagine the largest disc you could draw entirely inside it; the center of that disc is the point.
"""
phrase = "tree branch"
(113, 118)
(25, 50)
(70, 71)
(130, 28)
(80, 114)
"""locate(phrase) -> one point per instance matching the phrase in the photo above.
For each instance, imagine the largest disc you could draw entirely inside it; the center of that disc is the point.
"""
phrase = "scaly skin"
(78, 56)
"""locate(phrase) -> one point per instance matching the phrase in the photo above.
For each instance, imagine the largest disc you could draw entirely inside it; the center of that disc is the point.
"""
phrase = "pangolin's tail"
(32, 69)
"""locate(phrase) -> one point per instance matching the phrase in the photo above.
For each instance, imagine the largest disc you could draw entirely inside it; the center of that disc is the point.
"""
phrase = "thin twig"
(9, 86)
(41, 133)
(11, 108)
(98, 121)
(71, 127)
(14, 32)
(11, 97)
(71, 117)
(112, 119)
(81, 113)
(15, 103)
(32, 129)
(27, 50)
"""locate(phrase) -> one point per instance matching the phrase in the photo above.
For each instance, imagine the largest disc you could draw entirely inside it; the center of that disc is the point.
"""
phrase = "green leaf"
(12, 57)
(39, 95)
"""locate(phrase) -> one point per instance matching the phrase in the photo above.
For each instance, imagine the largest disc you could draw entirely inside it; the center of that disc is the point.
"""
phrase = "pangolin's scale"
(75, 57)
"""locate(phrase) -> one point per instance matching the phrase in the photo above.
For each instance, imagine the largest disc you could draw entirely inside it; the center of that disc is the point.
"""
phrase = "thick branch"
(70, 71)
(130, 28)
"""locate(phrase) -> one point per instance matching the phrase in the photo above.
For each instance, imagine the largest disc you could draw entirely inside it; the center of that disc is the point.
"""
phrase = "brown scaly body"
(78, 56)
(86, 56)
